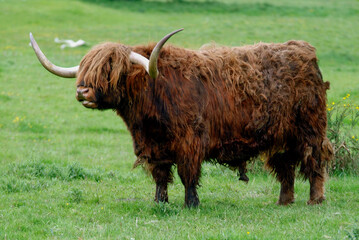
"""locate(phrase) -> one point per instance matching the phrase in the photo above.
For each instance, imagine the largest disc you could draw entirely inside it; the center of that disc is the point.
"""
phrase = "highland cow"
(221, 104)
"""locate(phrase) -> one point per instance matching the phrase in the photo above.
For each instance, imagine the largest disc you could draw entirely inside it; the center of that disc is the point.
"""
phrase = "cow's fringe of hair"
(104, 66)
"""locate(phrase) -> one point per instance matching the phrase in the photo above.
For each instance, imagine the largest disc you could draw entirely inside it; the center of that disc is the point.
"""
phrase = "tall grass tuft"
(343, 131)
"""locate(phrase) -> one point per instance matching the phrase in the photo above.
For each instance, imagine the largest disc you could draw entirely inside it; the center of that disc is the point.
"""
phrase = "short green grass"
(43, 199)
(66, 171)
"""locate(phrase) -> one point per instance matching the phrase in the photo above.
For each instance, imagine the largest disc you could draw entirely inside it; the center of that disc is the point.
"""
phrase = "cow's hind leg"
(283, 166)
(162, 175)
(316, 188)
(314, 166)
(242, 170)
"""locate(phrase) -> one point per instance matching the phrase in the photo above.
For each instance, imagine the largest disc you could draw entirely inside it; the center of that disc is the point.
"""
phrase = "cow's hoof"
(161, 194)
(244, 178)
(316, 201)
(285, 202)
(192, 203)
(161, 200)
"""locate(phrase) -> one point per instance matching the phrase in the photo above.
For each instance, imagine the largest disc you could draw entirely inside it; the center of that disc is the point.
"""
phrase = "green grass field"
(66, 171)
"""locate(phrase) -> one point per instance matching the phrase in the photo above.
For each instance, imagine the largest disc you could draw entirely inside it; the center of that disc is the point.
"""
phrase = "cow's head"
(102, 70)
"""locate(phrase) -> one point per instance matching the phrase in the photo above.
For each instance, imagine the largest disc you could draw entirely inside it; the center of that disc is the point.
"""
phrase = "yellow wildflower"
(353, 137)
(263, 157)
(17, 119)
(333, 103)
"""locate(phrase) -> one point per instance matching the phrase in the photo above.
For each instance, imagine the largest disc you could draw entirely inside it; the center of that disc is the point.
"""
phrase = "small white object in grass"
(70, 43)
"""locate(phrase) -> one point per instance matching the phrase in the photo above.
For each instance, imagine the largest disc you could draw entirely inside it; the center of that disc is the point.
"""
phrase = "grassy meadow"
(66, 171)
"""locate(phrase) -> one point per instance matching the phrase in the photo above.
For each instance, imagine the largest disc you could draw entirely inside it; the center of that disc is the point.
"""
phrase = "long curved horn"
(152, 66)
(139, 59)
(59, 71)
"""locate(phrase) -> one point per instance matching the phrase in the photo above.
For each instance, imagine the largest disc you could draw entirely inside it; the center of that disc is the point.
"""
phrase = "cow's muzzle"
(86, 96)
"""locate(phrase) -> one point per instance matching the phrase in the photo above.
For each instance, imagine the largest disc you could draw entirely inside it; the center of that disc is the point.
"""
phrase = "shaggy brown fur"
(221, 104)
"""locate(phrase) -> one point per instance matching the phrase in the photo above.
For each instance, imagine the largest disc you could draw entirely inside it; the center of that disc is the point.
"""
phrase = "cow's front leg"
(191, 196)
(162, 175)
(161, 194)
(190, 176)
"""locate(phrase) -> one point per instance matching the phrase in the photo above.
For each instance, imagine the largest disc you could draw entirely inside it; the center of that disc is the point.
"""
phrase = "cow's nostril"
(85, 90)
(80, 93)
